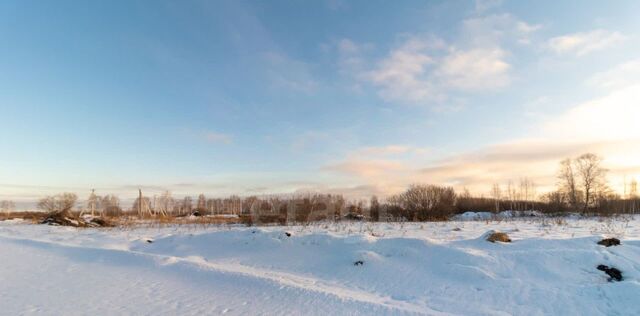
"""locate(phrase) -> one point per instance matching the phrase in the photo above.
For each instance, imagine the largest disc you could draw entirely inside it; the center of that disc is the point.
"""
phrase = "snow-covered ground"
(443, 268)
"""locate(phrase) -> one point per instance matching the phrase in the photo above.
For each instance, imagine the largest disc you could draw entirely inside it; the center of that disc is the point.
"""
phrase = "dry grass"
(27, 216)
(163, 221)
(497, 236)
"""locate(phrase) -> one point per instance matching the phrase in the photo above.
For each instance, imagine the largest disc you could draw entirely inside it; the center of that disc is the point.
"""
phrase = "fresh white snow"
(443, 268)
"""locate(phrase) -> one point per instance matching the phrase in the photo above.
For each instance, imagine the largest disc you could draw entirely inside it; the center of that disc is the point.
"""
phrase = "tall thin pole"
(139, 203)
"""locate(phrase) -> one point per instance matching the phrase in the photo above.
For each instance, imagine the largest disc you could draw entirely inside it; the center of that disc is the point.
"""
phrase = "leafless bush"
(58, 204)
(424, 202)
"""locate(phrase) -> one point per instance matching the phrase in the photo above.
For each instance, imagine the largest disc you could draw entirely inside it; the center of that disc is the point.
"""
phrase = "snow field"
(444, 268)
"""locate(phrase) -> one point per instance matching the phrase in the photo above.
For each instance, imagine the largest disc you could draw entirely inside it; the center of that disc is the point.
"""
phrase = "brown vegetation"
(497, 236)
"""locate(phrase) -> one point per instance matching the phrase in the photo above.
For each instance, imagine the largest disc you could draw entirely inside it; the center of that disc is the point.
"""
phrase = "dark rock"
(608, 242)
(457, 229)
(288, 234)
(613, 273)
(358, 263)
(149, 241)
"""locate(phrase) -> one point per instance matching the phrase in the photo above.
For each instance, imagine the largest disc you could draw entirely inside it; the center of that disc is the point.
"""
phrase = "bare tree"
(61, 203)
(187, 205)
(511, 194)
(201, 205)
(496, 193)
(633, 195)
(374, 208)
(527, 191)
(110, 205)
(568, 185)
(555, 200)
(7, 206)
(165, 203)
(592, 177)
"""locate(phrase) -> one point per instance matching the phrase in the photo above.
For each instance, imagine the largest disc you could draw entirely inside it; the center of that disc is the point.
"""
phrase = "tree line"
(581, 187)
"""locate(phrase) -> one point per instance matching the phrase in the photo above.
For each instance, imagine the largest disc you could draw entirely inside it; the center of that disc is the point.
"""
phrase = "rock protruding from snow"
(494, 236)
(608, 242)
(613, 273)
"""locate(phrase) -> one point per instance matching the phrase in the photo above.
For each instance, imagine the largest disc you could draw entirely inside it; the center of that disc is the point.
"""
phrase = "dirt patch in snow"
(613, 273)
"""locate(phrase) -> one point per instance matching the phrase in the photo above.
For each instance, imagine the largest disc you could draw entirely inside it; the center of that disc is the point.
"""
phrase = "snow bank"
(475, 216)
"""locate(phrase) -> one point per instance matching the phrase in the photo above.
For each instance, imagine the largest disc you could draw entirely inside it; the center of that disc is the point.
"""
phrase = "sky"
(351, 97)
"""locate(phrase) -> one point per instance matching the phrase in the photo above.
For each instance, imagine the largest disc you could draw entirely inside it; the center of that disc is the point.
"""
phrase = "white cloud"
(427, 69)
(476, 69)
(414, 73)
(583, 43)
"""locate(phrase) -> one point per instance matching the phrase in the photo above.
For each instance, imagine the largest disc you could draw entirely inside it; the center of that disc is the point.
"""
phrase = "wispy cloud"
(484, 5)
(218, 138)
(308, 138)
(404, 75)
(496, 29)
(290, 74)
(620, 76)
(583, 43)
(336, 5)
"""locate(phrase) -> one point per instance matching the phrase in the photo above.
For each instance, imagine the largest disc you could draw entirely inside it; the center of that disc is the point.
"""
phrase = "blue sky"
(359, 97)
